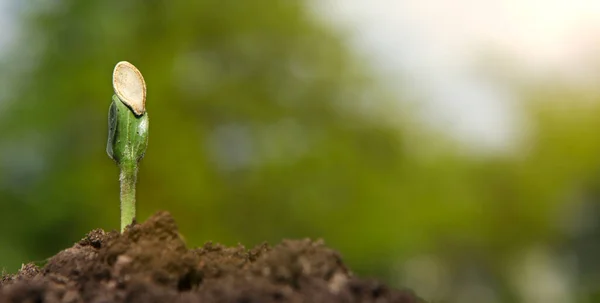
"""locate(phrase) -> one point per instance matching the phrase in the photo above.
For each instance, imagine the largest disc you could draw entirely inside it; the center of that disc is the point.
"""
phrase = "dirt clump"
(150, 262)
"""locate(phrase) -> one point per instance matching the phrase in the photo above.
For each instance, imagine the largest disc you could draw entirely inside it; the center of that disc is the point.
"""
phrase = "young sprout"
(127, 132)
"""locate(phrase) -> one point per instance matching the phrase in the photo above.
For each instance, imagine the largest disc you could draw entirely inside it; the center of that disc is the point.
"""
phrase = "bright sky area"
(435, 45)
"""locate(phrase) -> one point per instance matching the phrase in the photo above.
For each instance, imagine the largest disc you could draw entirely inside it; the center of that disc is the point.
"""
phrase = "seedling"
(127, 132)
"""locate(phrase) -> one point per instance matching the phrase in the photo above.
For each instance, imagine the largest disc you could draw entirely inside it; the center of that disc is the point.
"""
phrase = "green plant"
(127, 132)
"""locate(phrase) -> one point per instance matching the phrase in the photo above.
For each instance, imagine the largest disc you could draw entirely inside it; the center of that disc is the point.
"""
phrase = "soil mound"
(149, 262)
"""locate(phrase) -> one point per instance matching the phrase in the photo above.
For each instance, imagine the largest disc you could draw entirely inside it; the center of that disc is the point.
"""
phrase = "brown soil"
(150, 263)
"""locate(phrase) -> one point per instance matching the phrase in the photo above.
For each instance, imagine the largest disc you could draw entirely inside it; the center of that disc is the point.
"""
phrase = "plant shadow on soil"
(150, 262)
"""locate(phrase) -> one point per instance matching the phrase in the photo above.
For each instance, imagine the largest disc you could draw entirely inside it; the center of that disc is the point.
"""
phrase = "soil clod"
(150, 262)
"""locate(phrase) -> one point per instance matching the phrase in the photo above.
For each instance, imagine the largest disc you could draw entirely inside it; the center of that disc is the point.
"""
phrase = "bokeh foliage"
(256, 124)
(264, 125)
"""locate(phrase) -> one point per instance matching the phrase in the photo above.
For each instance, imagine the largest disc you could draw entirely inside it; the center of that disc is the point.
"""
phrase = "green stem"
(128, 178)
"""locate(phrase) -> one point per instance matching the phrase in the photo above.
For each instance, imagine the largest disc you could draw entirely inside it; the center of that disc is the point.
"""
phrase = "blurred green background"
(265, 124)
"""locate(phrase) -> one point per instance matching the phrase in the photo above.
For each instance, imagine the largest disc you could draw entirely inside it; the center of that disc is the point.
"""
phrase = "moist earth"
(150, 262)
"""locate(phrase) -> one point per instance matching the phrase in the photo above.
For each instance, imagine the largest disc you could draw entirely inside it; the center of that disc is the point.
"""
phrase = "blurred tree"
(263, 126)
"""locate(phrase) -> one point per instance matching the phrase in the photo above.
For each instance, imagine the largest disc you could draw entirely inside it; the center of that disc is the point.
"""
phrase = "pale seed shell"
(130, 87)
